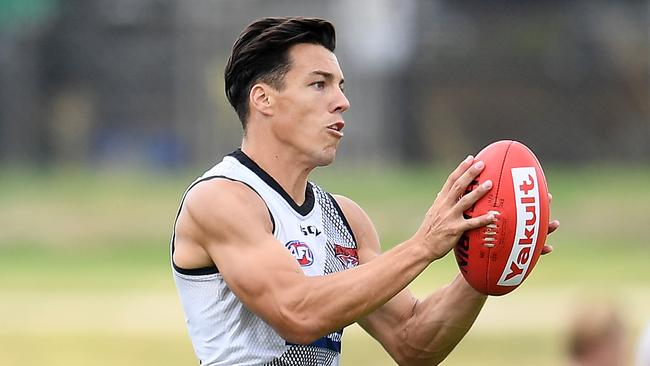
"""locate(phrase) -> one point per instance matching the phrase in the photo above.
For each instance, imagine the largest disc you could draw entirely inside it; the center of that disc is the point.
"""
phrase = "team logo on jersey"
(301, 252)
(348, 256)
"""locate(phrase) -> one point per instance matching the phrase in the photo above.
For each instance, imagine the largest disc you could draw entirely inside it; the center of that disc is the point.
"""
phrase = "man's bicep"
(257, 270)
(233, 228)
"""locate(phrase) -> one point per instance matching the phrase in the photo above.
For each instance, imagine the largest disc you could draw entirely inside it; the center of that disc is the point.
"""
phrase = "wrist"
(422, 248)
(467, 289)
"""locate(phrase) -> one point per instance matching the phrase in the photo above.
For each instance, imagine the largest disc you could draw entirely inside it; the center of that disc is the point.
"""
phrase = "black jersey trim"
(342, 215)
(303, 209)
(210, 269)
(203, 271)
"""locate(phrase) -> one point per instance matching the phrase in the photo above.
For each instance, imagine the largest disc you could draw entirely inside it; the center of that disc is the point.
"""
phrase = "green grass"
(85, 279)
(98, 349)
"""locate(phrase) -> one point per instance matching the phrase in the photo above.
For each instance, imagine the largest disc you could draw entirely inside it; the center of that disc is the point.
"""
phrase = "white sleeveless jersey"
(222, 329)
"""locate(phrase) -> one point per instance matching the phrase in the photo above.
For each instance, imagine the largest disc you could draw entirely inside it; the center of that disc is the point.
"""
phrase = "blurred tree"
(140, 81)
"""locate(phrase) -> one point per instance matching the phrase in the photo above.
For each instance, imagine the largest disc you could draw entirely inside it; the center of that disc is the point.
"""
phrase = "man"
(597, 336)
(269, 267)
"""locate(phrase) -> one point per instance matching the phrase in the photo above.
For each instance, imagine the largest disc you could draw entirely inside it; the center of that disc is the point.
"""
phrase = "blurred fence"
(141, 81)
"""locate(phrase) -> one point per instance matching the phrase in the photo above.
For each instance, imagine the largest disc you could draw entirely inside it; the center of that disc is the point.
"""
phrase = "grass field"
(85, 279)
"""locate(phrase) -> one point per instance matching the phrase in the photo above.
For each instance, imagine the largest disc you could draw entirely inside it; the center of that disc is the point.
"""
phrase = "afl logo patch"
(301, 252)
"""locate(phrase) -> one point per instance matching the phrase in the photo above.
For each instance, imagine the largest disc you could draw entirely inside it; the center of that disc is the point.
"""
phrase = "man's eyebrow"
(327, 75)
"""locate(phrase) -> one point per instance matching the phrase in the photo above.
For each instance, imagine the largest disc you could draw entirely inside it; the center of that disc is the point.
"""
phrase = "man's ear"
(260, 99)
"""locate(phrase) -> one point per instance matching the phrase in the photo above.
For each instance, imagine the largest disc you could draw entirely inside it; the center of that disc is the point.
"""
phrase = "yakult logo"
(527, 204)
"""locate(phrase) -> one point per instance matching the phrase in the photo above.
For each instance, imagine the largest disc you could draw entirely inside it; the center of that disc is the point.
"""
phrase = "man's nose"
(341, 103)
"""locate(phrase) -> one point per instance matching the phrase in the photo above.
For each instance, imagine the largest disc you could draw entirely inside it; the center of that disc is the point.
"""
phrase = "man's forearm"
(365, 288)
(440, 321)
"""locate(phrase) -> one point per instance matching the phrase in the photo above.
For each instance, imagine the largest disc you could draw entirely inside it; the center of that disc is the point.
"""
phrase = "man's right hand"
(444, 223)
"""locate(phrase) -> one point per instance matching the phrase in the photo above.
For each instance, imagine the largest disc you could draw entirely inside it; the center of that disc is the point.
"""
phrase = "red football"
(497, 258)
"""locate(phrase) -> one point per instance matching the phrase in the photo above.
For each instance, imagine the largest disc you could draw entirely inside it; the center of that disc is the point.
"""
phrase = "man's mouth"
(338, 126)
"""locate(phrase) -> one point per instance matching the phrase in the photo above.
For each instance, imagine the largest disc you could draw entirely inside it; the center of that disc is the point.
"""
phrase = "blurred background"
(109, 109)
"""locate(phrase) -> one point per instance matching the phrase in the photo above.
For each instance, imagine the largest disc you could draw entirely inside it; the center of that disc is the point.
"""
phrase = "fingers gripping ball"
(497, 258)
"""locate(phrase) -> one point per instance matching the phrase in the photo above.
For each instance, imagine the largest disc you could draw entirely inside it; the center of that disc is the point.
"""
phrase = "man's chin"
(326, 158)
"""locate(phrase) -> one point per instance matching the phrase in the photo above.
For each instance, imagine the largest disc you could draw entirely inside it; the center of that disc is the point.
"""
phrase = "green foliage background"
(85, 278)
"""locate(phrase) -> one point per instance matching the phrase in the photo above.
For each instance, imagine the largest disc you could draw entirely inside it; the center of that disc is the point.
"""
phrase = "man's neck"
(283, 166)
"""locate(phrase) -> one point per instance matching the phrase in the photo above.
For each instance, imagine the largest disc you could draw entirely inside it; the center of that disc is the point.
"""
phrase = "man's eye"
(319, 85)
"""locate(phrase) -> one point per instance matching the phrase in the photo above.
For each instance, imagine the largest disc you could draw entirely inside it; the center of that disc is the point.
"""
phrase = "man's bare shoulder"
(350, 208)
(218, 205)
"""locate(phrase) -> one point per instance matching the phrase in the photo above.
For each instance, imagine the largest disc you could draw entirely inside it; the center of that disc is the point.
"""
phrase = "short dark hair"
(261, 54)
